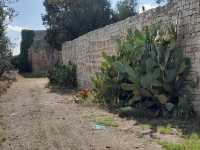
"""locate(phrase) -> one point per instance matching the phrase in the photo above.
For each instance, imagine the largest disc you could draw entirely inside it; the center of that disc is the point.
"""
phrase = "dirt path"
(37, 119)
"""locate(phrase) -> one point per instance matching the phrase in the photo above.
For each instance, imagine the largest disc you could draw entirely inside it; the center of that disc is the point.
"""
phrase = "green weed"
(191, 143)
(165, 129)
(106, 121)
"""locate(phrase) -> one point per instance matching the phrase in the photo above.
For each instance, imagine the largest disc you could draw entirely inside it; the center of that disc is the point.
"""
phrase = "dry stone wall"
(86, 51)
(188, 26)
(41, 56)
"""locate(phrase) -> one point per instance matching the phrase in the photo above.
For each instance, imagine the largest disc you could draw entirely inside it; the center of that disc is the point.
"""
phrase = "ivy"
(27, 40)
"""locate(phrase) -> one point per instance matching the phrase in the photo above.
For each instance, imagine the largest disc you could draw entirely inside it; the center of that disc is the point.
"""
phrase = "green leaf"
(182, 68)
(156, 73)
(157, 83)
(139, 38)
(166, 87)
(150, 63)
(131, 87)
(128, 87)
(167, 55)
(119, 67)
(135, 99)
(162, 99)
(169, 106)
(125, 68)
(171, 74)
(146, 81)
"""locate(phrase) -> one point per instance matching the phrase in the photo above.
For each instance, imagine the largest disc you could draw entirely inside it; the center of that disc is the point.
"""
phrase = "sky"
(29, 17)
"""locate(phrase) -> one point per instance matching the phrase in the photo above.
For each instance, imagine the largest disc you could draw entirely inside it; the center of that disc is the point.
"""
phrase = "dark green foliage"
(68, 19)
(15, 61)
(5, 51)
(126, 8)
(5, 54)
(63, 75)
(27, 40)
(107, 83)
(126, 111)
(149, 73)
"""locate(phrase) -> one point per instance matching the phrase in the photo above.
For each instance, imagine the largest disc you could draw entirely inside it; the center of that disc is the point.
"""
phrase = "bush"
(63, 75)
(6, 13)
(5, 52)
(149, 73)
(5, 65)
(15, 62)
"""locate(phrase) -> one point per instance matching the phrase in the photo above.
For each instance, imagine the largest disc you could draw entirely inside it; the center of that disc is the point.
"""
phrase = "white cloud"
(16, 28)
(147, 7)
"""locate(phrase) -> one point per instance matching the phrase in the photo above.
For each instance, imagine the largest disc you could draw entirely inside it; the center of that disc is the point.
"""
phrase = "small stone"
(145, 132)
(108, 147)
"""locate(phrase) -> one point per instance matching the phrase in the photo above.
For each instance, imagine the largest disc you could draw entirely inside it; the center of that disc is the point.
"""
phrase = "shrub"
(5, 65)
(5, 53)
(6, 13)
(15, 61)
(149, 73)
(107, 85)
(63, 75)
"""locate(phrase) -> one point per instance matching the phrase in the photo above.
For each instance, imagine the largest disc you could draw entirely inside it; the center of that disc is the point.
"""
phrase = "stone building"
(41, 56)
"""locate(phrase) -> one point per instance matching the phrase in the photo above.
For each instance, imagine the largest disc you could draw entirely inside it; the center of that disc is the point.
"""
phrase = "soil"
(6, 80)
(37, 118)
(4, 85)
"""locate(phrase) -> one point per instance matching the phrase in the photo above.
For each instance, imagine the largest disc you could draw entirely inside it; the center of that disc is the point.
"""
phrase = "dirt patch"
(6, 81)
(39, 118)
(4, 85)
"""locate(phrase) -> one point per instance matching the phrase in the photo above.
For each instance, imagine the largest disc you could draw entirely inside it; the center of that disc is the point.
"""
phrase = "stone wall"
(86, 50)
(41, 56)
(188, 26)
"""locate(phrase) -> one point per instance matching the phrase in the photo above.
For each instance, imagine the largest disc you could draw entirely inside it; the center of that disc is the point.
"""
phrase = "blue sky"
(29, 17)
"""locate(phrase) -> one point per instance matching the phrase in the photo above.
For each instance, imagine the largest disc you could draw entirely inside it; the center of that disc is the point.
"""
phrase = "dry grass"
(190, 143)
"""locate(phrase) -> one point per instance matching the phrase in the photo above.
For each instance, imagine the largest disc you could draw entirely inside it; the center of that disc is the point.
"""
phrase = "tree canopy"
(68, 19)
(5, 51)
(126, 8)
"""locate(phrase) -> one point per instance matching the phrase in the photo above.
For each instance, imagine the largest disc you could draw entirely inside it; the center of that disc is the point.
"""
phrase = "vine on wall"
(27, 40)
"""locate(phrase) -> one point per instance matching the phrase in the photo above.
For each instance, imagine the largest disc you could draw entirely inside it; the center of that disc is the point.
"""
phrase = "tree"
(68, 19)
(126, 8)
(5, 51)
